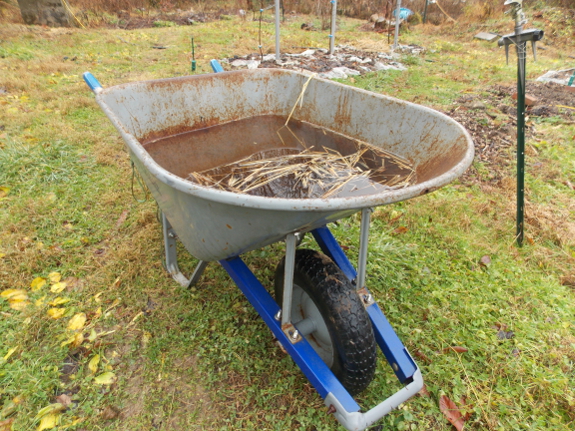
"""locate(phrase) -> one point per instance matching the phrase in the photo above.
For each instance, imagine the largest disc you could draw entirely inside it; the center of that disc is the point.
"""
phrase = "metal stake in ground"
(333, 26)
(396, 36)
(520, 38)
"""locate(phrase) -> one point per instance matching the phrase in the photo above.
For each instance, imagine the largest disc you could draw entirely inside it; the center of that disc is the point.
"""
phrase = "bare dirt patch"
(491, 117)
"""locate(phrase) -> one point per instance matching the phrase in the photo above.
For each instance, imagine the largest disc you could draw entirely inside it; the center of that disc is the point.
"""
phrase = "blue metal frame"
(331, 247)
(317, 372)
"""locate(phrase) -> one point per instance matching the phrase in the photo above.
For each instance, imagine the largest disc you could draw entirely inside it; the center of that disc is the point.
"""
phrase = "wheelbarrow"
(323, 313)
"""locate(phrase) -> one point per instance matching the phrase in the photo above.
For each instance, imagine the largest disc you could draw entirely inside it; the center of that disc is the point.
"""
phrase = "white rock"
(253, 64)
(269, 57)
(347, 71)
(308, 52)
(239, 63)
(394, 66)
(334, 73)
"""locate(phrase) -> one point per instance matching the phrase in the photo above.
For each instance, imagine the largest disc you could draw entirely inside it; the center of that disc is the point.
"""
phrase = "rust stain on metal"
(443, 161)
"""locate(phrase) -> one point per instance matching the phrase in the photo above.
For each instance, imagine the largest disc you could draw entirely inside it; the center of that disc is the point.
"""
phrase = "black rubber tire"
(343, 313)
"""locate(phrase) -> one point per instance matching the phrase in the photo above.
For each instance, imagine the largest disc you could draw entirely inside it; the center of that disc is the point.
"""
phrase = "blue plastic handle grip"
(91, 81)
(216, 66)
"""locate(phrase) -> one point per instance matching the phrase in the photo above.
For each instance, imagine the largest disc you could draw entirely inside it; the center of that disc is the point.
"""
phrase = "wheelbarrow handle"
(216, 66)
(92, 82)
(355, 421)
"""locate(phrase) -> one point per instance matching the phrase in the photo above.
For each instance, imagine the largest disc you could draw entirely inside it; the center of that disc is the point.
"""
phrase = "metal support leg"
(286, 324)
(363, 241)
(171, 256)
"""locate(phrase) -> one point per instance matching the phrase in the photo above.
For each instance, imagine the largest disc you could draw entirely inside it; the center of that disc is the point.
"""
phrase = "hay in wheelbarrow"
(310, 173)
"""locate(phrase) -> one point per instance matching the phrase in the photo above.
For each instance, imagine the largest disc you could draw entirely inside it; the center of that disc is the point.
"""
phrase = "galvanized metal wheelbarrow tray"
(217, 225)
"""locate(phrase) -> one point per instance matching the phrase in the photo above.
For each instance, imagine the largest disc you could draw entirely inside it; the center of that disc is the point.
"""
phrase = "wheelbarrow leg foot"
(171, 256)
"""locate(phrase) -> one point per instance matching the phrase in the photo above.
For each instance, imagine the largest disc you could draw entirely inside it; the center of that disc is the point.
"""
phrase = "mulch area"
(491, 118)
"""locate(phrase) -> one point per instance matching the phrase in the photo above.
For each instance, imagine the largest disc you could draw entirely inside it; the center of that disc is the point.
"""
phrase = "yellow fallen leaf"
(8, 293)
(58, 287)
(106, 378)
(40, 301)
(58, 301)
(4, 191)
(98, 313)
(38, 283)
(14, 294)
(70, 340)
(78, 340)
(52, 408)
(68, 425)
(39, 245)
(18, 304)
(49, 421)
(77, 322)
(56, 313)
(55, 277)
(93, 335)
(2, 255)
(74, 341)
(10, 352)
(17, 298)
(146, 338)
(6, 425)
(93, 364)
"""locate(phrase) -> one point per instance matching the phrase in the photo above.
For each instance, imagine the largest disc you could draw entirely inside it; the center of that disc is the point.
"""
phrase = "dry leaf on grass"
(105, 378)
(93, 364)
(10, 353)
(77, 322)
(58, 287)
(451, 412)
(38, 283)
(64, 399)
(49, 421)
(56, 313)
(55, 277)
(6, 425)
(422, 356)
(110, 413)
(424, 392)
(457, 349)
(17, 298)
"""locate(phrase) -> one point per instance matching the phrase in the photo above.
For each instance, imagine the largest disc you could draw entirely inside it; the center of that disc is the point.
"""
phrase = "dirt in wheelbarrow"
(271, 157)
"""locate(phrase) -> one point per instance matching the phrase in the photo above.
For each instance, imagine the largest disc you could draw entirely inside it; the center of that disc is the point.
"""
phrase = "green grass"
(201, 358)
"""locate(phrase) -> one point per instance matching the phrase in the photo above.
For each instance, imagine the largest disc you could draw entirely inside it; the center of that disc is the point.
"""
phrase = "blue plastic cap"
(91, 81)
(216, 66)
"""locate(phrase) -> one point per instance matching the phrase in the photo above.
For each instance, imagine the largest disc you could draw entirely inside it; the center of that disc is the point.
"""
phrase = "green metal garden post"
(519, 39)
